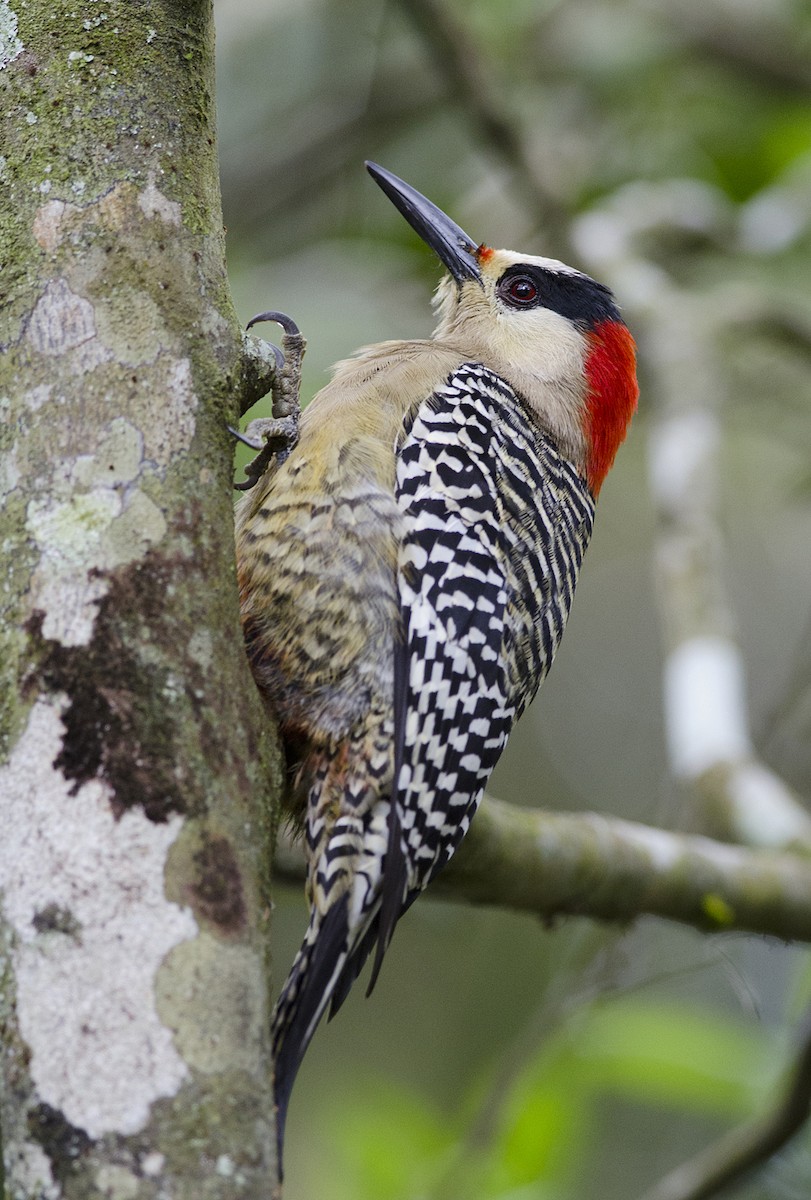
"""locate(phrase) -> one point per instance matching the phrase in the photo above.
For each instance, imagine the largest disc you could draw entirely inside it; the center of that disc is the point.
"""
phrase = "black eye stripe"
(576, 297)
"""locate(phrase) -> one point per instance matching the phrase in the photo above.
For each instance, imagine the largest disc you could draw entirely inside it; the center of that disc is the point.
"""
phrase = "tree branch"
(706, 710)
(588, 865)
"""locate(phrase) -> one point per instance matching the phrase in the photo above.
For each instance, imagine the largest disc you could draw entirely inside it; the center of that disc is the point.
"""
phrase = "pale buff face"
(539, 352)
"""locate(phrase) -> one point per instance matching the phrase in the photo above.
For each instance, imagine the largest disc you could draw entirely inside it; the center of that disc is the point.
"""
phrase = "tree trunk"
(137, 761)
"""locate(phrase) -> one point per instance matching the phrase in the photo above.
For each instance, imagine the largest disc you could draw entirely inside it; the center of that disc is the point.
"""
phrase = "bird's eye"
(522, 291)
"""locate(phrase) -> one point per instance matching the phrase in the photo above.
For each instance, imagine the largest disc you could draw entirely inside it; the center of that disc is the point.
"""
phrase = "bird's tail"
(302, 1002)
(339, 938)
(330, 958)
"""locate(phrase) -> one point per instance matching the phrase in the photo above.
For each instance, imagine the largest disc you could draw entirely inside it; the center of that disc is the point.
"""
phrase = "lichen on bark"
(134, 751)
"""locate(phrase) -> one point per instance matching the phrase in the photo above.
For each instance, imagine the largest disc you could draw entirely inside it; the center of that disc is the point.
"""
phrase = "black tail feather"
(352, 968)
(302, 1002)
(393, 893)
(327, 965)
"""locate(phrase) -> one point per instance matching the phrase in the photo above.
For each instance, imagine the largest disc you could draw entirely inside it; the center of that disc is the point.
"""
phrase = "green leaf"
(678, 1055)
(393, 1145)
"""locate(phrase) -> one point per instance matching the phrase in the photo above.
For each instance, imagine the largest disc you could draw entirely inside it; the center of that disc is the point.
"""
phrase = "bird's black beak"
(456, 250)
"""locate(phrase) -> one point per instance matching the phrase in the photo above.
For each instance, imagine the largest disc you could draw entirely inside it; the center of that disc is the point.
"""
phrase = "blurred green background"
(497, 1058)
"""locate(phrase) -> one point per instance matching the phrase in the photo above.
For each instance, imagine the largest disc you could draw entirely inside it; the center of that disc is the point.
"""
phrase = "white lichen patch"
(9, 472)
(10, 45)
(37, 396)
(28, 1171)
(128, 320)
(100, 1054)
(153, 203)
(211, 995)
(141, 525)
(116, 460)
(70, 606)
(62, 323)
(201, 648)
(68, 535)
(215, 327)
(70, 531)
(89, 532)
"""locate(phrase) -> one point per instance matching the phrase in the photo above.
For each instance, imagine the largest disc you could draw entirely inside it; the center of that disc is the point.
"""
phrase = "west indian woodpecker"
(406, 572)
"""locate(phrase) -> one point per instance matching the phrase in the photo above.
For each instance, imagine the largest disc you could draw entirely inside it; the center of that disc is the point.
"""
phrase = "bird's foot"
(275, 437)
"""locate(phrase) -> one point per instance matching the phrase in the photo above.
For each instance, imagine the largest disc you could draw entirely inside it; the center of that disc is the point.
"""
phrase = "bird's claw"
(252, 443)
(287, 323)
(278, 354)
(288, 379)
(274, 437)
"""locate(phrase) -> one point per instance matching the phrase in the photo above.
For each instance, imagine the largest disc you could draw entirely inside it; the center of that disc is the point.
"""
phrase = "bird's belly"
(321, 613)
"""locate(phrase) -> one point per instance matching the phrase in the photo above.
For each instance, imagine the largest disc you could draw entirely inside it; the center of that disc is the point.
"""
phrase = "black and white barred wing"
(496, 525)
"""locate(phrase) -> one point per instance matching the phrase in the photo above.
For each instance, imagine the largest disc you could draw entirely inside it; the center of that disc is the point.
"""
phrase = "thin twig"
(461, 64)
(759, 47)
(750, 1145)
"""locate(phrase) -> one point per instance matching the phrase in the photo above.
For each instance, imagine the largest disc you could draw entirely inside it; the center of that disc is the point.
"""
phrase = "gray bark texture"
(136, 763)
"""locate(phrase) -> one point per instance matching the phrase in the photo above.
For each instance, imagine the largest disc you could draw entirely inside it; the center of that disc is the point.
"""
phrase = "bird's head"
(554, 334)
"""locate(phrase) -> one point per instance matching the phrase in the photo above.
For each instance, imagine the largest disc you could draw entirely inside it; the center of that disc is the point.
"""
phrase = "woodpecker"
(406, 574)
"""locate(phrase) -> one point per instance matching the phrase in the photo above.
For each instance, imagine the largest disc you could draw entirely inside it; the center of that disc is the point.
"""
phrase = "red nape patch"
(484, 253)
(613, 393)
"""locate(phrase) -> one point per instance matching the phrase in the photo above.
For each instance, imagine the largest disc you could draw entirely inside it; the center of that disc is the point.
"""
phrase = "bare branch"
(555, 864)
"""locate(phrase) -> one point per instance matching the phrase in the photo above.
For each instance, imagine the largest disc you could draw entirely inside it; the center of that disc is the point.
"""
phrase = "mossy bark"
(136, 763)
